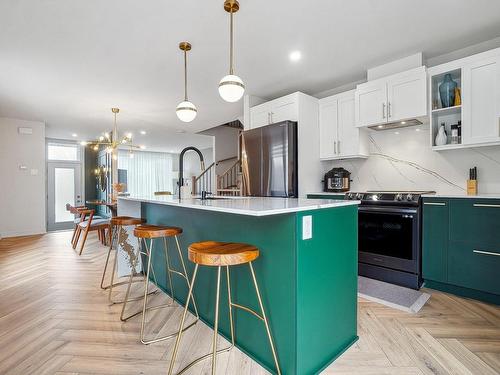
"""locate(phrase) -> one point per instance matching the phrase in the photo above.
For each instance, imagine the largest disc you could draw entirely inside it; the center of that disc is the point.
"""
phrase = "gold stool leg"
(113, 232)
(134, 263)
(216, 324)
(265, 319)
(214, 352)
(181, 325)
(149, 252)
(169, 270)
(185, 275)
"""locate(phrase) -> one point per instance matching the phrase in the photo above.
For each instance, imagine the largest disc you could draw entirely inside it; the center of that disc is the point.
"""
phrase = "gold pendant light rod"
(186, 111)
(231, 6)
(185, 46)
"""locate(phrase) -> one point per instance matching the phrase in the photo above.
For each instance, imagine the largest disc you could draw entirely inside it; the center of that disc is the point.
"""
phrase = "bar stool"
(152, 232)
(222, 254)
(116, 233)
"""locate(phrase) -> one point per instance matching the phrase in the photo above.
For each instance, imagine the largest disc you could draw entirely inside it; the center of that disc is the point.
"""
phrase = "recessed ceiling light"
(396, 132)
(417, 130)
(143, 132)
(403, 122)
(142, 147)
(295, 56)
(380, 126)
(74, 135)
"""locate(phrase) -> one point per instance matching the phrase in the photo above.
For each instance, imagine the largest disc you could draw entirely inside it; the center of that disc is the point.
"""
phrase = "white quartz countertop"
(464, 195)
(252, 206)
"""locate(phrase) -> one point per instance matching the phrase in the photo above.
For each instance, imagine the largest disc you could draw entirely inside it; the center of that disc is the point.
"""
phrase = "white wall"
(225, 146)
(405, 161)
(22, 192)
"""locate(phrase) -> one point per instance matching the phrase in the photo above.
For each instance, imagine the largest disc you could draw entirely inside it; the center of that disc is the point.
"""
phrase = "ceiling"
(68, 62)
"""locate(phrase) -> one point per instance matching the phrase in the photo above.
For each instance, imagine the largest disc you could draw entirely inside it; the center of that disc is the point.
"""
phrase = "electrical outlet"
(307, 227)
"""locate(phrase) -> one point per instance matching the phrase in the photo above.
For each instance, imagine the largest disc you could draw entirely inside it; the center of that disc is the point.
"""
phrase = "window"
(63, 151)
(146, 172)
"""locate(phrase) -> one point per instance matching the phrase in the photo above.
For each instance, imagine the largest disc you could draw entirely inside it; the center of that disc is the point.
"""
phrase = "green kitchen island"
(307, 271)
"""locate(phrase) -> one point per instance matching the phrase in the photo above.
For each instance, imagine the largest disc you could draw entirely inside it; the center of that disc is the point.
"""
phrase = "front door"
(63, 187)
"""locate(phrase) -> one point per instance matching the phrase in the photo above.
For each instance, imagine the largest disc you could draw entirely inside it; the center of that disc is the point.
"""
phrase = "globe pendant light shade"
(231, 88)
(186, 111)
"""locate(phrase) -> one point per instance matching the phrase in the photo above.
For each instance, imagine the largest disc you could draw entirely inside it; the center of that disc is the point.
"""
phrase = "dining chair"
(89, 223)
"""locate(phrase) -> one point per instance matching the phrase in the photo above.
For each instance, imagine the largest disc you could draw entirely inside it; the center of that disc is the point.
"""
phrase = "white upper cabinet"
(481, 101)
(260, 115)
(477, 79)
(371, 103)
(406, 96)
(328, 127)
(281, 109)
(339, 137)
(390, 99)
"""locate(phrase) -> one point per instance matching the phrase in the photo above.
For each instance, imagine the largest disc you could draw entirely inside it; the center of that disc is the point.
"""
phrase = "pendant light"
(186, 111)
(111, 142)
(231, 87)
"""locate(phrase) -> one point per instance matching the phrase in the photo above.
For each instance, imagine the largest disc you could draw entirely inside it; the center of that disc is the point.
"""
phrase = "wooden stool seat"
(126, 220)
(156, 231)
(213, 253)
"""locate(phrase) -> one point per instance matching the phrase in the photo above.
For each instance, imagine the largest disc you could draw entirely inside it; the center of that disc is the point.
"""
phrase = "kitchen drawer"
(475, 221)
(474, 267)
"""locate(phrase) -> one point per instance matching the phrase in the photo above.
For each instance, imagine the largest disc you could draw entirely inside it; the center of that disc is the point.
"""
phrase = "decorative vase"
(441, 137)
(458, 98)
(447, 91)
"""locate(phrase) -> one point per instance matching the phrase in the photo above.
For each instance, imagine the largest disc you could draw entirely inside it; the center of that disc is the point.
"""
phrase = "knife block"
(471, 187)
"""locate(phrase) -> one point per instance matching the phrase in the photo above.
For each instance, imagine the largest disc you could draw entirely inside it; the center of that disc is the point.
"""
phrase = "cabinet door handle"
(486, 253)
(434, 204)
(338, 146)
(383, 110)
(389, 109)
(486, 205)
(334, 147)
(268, 118)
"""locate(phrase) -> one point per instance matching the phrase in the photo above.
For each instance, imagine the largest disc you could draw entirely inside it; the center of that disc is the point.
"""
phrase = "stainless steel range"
(390, 236)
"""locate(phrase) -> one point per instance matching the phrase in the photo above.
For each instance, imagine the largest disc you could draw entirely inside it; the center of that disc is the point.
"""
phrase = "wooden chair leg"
(86, 232)
(74, 233)
(99, 235)
(77, 237)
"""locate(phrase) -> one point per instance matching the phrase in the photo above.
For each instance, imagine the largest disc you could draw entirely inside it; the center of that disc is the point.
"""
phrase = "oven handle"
(385, 210)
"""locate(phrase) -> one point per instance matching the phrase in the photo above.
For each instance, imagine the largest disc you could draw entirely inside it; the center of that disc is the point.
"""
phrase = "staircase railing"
(205, 181)
(229, 182)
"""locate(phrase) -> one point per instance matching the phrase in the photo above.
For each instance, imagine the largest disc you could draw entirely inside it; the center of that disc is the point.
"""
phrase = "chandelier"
(111, 142)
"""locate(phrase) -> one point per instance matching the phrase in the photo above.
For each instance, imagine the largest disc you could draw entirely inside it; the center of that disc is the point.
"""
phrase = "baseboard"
(21, 234)
(463, 292)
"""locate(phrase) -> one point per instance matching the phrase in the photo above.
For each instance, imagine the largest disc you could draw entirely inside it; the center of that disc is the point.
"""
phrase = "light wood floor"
(54, 319)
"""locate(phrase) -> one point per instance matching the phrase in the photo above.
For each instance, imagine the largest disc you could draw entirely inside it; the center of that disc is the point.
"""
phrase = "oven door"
(388, 237)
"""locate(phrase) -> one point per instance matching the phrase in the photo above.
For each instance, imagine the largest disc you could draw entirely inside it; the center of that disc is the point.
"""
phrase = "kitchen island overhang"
(308, 285)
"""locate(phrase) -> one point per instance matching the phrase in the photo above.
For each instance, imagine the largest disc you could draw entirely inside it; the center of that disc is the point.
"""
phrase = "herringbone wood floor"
(54, 319)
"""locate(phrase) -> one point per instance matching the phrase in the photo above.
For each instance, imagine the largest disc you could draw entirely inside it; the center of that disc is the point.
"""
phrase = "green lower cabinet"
(435, 239)
(477, 220)
(471, 267)
(461, 246)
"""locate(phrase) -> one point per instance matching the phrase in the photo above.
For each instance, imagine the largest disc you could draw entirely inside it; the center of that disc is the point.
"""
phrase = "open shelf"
(448, 110)
(444, 115)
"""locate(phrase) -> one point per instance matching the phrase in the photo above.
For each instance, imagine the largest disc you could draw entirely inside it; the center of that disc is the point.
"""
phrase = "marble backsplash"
(402, 159)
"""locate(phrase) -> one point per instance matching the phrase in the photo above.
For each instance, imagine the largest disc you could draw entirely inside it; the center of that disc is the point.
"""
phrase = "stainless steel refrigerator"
(269, 160)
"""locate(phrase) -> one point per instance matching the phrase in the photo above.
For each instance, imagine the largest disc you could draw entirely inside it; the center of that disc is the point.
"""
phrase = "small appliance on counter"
(337, 180)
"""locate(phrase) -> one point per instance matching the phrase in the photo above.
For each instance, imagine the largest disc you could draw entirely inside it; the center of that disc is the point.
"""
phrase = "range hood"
(396, 125)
